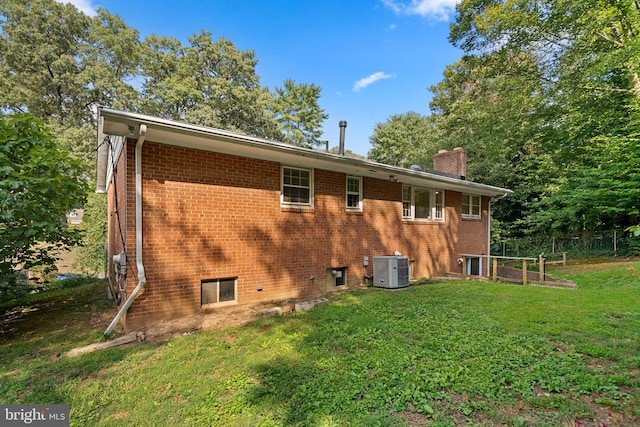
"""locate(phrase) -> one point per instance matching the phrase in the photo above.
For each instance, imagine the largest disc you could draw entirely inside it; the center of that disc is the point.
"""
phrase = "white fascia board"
(180, 134)
(108, 153)
(102, 158)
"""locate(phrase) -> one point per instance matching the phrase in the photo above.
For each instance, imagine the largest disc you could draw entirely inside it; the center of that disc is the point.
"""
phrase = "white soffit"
(209, 139)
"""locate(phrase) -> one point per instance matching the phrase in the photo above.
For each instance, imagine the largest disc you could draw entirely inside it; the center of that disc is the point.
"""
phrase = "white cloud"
(83, 6)
(369, 80)
(435, 9)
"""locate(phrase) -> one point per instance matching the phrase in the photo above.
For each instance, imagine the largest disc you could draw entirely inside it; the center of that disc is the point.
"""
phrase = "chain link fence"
(586, 245)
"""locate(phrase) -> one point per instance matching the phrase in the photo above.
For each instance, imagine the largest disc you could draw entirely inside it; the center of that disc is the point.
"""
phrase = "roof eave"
(119, 122)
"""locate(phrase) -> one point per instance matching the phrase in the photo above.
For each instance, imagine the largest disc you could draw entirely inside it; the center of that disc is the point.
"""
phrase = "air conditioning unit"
(390, 271)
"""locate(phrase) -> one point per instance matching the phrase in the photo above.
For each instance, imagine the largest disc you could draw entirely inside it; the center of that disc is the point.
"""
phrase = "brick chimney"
(451, 163)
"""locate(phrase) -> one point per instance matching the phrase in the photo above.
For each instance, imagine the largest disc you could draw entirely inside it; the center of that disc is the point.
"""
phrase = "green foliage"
(39, 184)
(545, 101)
(347, 153)
(90, 259)
(208, 82)
(58, 63)
(404, 140)
(298, 114)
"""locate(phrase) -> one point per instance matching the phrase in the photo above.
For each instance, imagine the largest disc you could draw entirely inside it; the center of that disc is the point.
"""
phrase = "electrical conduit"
(142, 279)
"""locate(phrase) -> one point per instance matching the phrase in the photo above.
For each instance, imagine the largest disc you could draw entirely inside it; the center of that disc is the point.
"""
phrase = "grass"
(444, 354)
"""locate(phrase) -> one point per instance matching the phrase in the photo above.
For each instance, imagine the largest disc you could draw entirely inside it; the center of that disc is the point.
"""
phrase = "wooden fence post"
(495, 269)
(564, 259)
(524, 271)
(541, 259)
(464, 267)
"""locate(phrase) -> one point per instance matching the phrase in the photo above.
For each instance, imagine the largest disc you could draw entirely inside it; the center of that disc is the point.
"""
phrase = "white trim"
(163, 131)
(311, 188)
(223, 303)
(432, 204)
(347, 193)
(471, 205)
(117, 142)
(468, 266)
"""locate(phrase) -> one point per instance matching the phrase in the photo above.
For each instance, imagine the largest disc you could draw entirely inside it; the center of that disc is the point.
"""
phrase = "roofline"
(134, 119)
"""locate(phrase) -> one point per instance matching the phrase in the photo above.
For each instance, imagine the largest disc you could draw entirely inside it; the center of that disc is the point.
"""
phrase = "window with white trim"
(218, 292)
(354, 193)
(471, 206)
(422, 204)
(296, 187)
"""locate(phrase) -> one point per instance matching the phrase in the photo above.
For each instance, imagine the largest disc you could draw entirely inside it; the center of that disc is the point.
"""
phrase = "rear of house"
(201, 218)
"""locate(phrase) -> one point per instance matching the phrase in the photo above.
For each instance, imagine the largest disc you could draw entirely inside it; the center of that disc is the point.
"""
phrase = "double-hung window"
(471, 206)
(296, 187)
(422, 204)
(354, 193)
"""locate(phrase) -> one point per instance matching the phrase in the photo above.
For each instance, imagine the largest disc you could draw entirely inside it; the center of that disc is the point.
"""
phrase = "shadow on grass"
(376, 357)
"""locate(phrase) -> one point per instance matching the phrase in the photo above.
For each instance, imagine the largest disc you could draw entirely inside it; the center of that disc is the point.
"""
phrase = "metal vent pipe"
(343, 126)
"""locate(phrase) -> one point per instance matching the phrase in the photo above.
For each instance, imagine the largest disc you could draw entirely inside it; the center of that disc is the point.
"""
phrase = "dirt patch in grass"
(238, 315)
(72, 312)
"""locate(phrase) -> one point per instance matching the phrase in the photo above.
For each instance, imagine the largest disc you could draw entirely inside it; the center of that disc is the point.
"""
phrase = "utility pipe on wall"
(491, 200)
(142, 279)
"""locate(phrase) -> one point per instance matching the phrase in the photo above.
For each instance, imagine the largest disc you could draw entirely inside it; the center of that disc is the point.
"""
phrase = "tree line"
(58, 64)
(546, 100)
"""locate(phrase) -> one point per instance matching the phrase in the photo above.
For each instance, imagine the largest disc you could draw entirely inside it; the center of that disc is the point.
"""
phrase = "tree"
(545, 100)
(347, 153)
(169, 89)
(91, 259)
(58, 64)
(210, 83)
(298, 114)
(404, 140)
(39, 184)
(491, 107)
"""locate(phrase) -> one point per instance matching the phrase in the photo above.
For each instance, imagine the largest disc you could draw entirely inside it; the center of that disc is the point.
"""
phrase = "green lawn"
(446, 354)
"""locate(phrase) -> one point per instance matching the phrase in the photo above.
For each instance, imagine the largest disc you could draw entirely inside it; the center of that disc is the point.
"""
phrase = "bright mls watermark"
(34, 415)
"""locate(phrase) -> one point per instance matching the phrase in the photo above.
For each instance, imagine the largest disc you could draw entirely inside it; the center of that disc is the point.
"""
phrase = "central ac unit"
(390, 271)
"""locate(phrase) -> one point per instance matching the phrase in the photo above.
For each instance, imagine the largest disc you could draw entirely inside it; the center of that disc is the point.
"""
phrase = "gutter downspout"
(491, 200)
(142, 279)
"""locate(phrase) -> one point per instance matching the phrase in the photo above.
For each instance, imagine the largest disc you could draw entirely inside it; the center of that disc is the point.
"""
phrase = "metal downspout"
(491, 200)
(142, 279)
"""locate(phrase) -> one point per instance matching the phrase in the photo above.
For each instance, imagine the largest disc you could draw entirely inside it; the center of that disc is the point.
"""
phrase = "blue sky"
(372, 58)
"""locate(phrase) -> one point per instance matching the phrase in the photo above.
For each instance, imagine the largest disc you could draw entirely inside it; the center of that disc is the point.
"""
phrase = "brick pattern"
(210, 215)
(451, 163)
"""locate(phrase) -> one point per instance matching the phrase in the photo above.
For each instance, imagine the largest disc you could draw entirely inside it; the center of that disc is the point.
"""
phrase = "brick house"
(201, 218)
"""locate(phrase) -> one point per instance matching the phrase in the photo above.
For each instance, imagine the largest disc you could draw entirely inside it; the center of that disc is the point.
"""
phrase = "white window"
(354, 193)
(425, 204)
(218, 292)
(296, 187)
(406, 202)
(471, 206)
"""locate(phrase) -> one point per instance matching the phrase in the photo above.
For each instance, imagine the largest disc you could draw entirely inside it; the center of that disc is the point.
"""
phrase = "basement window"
(218, 292)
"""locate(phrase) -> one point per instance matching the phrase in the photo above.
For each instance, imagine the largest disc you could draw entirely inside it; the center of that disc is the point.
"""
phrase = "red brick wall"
(209, 215)
(451, 162)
